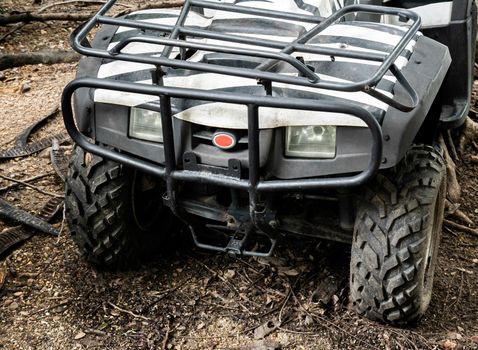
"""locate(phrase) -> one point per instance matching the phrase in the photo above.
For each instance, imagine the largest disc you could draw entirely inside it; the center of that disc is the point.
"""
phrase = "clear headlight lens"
(311, 141)
(145, 125)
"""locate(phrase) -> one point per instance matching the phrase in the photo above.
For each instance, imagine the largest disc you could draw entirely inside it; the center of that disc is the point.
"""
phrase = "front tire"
(115, 214)
(396, 238)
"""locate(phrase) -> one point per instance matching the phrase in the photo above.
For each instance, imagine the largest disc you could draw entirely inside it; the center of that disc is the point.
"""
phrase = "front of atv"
(253, 120)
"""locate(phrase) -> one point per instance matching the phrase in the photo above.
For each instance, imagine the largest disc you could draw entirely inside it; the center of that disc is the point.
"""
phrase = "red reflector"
(224, 140)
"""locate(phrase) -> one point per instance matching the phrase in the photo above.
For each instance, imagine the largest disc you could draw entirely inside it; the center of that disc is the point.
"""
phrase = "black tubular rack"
(178, 35)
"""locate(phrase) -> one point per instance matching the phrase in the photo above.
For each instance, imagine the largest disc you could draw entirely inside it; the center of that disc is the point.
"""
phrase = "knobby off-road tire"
(396, 238)
(113, 222)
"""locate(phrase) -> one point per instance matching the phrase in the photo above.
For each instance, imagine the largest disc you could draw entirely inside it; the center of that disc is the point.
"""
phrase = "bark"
(49, 57)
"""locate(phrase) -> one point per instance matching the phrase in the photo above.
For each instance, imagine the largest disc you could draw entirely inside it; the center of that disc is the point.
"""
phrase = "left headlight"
(311, 141)
(145, 124)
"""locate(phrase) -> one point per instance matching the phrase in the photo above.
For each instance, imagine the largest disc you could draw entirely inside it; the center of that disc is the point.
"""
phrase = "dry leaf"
(448, 344)
(80, 335)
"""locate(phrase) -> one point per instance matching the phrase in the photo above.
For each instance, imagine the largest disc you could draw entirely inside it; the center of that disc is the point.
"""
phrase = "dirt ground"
(189, 298)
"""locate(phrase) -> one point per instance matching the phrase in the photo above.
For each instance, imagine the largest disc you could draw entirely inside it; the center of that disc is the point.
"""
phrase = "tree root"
(453, 187)
(462, 228)
(469, 134)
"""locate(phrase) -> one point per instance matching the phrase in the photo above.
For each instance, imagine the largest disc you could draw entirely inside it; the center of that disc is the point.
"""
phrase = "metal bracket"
(235, 245)
(190, 162)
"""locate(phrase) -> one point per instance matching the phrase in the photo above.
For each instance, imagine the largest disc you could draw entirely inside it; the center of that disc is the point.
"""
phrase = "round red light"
(224, 140)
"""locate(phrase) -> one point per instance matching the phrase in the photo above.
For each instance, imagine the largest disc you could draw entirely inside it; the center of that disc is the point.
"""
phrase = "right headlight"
(311, 141)
(145, 124)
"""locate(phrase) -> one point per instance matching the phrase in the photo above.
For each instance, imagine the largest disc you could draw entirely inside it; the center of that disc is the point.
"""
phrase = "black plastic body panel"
(353, 144)
(459, 36)
(88, 67)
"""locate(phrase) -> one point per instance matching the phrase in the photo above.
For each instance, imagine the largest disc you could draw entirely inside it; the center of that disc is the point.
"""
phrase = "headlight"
(310, 141)
(145, 125)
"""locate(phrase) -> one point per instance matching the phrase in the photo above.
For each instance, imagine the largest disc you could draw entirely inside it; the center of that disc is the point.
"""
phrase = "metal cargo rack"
(177, 37)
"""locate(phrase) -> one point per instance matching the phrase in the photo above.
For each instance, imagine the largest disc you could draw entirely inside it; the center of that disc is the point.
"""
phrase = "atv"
(249, 121)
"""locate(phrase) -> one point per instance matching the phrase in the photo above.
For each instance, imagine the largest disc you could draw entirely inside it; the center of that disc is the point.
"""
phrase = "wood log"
(76, 17)
(48, 57)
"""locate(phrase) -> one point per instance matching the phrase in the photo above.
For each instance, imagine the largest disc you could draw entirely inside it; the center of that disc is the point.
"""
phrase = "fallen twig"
(48, 308)
(164, 343)
(163, 295)
(31, 186)
(462, 228)
(128, 312)
(93, 2)
(30, 179)
(11, 31)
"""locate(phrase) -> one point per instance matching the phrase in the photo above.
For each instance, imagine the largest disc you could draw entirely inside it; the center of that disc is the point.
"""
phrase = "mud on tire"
(396, 238)
(101, 213)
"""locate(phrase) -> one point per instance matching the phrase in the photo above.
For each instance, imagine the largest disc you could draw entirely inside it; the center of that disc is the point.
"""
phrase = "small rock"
(25, 88)
(80, 335)
(13, 306)
(18, 294)
(448, 344)
(24, 313)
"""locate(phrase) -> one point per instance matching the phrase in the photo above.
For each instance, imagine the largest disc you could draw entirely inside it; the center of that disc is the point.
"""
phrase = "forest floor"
(189, 298)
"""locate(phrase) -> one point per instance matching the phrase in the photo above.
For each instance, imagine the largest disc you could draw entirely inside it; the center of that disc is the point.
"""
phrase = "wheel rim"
(146, 202)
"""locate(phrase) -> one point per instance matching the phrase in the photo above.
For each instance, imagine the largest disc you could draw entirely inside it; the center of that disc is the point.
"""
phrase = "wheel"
(396, 237)
(115, 214)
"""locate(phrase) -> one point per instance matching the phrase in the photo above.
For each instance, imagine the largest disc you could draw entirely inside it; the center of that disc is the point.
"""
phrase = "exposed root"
(453, 187)
(458, 214)
(462, 228)
(469, 134)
